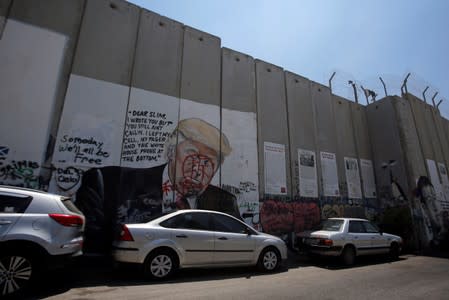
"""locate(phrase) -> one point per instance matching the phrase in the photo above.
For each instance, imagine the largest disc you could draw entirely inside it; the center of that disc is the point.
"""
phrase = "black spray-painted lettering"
(145, 135)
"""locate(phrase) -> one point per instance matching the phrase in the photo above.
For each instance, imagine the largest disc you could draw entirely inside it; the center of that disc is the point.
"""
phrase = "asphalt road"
(411, 277)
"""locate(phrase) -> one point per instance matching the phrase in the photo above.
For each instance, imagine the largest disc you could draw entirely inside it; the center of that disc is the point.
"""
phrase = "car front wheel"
(16, 273)
(269, 260)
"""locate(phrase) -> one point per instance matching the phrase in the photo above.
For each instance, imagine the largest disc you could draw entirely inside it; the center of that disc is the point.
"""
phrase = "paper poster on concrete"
(151, 117)
(308, 183)
(239, 171)
(445, 184)
(92, 123)
(353, 178)
(369, 184)
(275, 171)
(329, 174)
(435, 179)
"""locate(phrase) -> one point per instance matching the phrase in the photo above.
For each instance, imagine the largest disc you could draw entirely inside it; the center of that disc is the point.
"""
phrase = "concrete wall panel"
(387, 147)
(60, 16)
(410, 142)
(238, 82)
(361, 132)
(157, 65)
(31, 60)
(418, 109)
(271, 120)
(301, 118)
(347, 156)
(200, 79)
(107, 41)
(239, 173)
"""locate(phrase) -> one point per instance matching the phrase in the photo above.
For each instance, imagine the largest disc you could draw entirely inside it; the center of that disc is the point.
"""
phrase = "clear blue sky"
(359, 40)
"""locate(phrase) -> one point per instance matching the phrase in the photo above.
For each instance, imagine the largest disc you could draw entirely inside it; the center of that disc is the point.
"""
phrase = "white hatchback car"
(348, 238)
(196, 238)
(37, 230)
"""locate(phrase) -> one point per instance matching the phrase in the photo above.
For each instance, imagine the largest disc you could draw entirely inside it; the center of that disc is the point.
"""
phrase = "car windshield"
(332, 225)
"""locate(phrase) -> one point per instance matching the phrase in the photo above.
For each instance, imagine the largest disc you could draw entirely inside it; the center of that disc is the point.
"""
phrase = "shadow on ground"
(89, 271)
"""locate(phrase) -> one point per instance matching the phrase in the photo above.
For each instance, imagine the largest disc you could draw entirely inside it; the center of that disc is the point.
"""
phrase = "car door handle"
(182, 236)
(5, 222)
(223, 238)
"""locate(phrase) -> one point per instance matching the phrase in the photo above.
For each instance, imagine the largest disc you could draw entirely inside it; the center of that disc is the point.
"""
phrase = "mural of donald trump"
(112, 195)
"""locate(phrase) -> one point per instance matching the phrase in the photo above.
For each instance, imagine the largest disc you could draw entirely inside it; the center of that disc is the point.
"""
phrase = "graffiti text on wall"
(85, 150)
(68, 178)
(145, 135)
(19, 173)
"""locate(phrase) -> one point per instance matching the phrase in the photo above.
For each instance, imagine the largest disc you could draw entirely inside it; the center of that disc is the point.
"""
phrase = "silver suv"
(37, 230)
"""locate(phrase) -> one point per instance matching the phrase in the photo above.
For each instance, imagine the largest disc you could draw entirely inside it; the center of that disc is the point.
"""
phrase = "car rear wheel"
(348, 256)
(269, 260)
(160, 264)
(16, 272)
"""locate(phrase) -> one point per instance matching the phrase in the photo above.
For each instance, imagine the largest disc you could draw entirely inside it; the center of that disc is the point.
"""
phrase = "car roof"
(166, 216)
(349, 219)
(14, 189)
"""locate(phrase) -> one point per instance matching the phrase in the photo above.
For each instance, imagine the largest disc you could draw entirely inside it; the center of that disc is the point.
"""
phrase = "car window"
(226, 224)
(370, 228)
(356, 227)
(198, 221)
(67, 201)
(14, 203)
(331, 225)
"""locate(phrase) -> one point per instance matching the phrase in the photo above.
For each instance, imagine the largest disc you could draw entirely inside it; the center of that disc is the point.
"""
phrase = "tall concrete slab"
(326, 140)
(347, 159)
(418, 108)
(107, 41)
(388, 153)
(301, 123)
(274, 157)
(157, 65)
(239, 171)
(364, 150)
(200, 79)
(4, 11)
(36, 52)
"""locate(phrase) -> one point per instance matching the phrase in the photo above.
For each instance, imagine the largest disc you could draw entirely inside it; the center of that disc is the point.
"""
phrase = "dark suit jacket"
(104, 190)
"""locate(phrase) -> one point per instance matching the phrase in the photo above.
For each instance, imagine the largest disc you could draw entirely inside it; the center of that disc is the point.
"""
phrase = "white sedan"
(348, 238)
(196, 238)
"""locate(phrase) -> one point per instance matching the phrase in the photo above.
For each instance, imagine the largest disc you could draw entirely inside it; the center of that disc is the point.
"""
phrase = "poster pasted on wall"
(329, 174)
(353, 178)
(369, 185)
(445, 185)
(275, 170)
(308, 183)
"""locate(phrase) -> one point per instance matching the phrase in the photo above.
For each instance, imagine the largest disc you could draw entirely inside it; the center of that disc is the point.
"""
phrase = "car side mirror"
(248, 231)
(381, 233)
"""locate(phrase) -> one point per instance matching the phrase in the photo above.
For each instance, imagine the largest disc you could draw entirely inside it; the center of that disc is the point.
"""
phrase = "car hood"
(392, 236)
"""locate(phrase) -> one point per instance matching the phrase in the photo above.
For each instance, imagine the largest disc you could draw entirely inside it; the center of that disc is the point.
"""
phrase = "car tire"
(18, 270)
(160, 264)
(269, 260)
(348, 256)
(394, 251)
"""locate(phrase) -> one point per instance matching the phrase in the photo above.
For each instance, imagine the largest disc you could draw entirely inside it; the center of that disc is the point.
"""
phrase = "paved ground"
(411, 277)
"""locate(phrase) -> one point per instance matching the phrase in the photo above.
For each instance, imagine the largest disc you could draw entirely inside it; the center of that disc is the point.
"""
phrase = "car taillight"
(125, 235)
(326, 242)
(68, 220)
